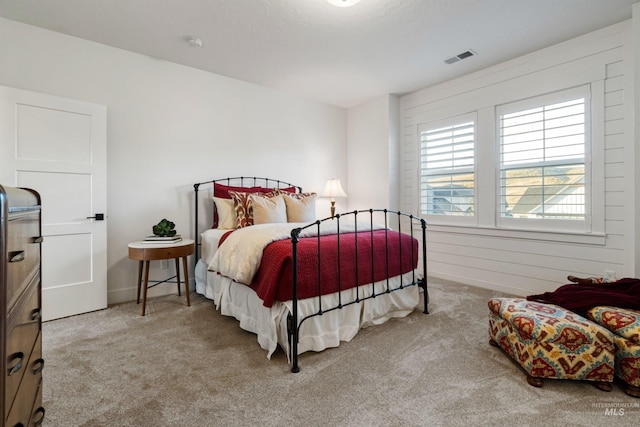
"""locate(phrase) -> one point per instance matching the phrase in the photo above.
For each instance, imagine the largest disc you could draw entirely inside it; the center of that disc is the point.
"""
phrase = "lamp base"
(333, 208)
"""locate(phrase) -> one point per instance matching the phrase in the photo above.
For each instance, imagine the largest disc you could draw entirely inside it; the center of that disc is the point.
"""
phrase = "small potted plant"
(164, 228)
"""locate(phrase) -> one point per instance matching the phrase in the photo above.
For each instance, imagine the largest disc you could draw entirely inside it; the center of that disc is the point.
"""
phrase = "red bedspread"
(274, 279)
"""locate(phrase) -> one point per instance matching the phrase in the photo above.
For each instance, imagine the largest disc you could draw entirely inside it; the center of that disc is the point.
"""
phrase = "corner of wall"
(395, 146)
(634, 132)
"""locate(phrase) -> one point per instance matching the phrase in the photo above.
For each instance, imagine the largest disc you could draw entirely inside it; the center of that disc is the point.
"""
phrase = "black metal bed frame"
(294, 324)
(414, 224)
(239, 181)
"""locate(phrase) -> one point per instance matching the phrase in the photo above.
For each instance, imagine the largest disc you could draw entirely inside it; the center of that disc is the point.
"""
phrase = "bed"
(297, 282)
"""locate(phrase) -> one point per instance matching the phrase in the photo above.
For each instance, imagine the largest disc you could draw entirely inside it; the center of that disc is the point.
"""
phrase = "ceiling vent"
(460, 57)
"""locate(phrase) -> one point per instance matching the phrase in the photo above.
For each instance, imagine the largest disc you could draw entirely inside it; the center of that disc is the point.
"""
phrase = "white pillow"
(268, 210)
(226, 213)
(301, 207)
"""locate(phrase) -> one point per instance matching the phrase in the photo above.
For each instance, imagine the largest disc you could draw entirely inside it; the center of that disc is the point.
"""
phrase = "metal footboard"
(398, 221)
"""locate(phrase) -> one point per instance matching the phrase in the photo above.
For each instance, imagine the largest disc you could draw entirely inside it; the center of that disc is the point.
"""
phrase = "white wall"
(519, 262)
(373, 153)
(170, 126)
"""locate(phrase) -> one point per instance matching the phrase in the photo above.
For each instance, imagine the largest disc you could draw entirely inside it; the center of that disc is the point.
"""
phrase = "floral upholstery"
(621, 321)
(550, 342)
(625, 324)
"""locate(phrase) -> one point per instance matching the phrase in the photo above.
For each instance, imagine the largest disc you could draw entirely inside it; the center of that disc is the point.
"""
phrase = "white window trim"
(550, 236)
(594, 142)
(449, 219)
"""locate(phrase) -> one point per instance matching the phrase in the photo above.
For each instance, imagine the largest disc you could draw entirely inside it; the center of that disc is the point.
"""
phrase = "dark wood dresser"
(20, 305)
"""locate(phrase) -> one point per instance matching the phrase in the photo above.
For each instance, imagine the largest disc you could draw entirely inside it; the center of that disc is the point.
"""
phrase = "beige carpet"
(190, 366)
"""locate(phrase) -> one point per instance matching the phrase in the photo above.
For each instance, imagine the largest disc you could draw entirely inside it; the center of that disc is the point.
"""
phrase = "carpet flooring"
(190, 366)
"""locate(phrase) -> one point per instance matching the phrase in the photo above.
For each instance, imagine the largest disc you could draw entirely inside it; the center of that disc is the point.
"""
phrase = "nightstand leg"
(139, 280)
(186, 279)
(146, 285)
(178, 274)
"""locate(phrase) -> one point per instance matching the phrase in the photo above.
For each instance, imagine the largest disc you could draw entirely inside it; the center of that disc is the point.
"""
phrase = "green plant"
(164, 228)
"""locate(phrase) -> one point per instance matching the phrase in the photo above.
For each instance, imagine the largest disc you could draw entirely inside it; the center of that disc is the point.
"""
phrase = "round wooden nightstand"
(145, 252)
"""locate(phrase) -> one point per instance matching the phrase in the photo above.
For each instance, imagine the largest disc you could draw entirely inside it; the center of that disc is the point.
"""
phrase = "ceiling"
(311, 49)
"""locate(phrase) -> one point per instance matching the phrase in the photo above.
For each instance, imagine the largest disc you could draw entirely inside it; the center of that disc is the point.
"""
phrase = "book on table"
(162, 239)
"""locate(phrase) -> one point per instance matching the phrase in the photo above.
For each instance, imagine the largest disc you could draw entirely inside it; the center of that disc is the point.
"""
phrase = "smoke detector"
(194, 42)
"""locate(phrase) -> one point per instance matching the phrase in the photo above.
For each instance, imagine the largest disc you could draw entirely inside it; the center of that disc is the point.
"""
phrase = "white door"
(57, 146)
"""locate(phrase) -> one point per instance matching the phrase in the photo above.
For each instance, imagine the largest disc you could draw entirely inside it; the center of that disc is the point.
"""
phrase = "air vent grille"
(460, 57)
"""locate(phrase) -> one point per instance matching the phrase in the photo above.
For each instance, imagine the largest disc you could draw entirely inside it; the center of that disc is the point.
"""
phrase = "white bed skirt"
(317, 333)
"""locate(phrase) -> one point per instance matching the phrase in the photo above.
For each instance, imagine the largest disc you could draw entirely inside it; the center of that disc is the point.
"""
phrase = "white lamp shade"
(333, 189)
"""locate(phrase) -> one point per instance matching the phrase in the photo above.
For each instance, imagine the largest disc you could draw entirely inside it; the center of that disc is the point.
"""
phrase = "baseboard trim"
(510, 290)
(128, 294)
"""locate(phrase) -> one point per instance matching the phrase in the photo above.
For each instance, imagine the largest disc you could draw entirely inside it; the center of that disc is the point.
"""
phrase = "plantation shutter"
(447, 172)
(542, 159)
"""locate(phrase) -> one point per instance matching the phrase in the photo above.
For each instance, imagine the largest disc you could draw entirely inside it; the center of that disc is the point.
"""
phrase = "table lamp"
(333, 189)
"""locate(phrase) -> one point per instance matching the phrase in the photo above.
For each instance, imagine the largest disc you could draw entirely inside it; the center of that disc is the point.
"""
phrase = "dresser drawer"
(23, 253)
(32, 415)
(37, 411)
(28, 306)
(23, 327)
(28, 396)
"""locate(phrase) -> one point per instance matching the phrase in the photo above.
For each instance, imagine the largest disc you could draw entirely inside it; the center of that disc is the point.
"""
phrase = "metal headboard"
(238, 181)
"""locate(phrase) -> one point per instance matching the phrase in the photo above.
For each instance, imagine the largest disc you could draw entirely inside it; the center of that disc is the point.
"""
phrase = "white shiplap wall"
(616, 193)
(523, 263)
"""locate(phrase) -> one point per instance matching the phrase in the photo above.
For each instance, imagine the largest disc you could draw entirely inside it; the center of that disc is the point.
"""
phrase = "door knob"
(97, 217)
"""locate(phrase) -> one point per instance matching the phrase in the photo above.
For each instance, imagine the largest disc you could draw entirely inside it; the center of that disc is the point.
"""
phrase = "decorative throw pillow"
(226, 213)
(222, 191)
(242, 207)
(301, 207)
(268, 210)
(286, 190)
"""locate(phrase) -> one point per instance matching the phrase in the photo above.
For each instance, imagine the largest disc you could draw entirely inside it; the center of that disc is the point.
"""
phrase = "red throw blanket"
(624, 293)
(274, 279)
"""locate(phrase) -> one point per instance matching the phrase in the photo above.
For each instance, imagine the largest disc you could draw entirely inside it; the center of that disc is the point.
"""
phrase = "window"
(447, 167)
(543, 150)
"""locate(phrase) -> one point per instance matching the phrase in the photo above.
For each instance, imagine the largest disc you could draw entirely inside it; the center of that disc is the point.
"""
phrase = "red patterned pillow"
(222, 191)
(287, 189)
(242, 207)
